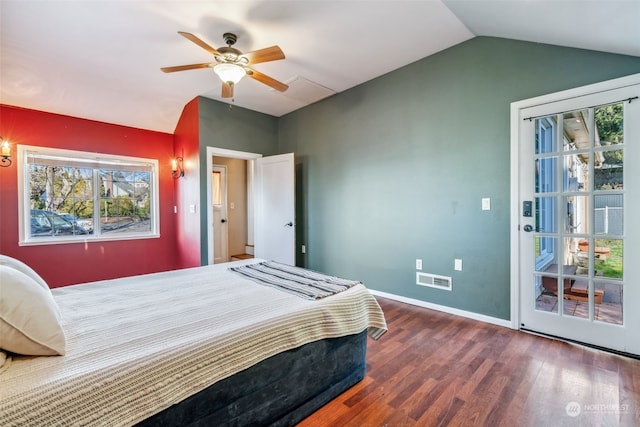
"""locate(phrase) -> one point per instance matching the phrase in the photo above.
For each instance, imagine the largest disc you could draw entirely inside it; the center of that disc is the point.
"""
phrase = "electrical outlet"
(486, 204)
(457, 264)
(418, 264)
(303, 249)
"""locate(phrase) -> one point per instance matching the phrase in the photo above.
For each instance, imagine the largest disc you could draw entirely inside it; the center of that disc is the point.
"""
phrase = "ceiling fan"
(232, 65)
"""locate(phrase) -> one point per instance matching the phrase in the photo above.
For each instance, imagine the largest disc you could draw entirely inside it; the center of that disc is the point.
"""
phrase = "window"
(70, 196)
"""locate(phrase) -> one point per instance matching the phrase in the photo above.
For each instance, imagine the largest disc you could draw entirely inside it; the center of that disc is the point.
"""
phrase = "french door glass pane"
(545, 214)
(547, 300)
(546, 172)
(609, 299)
(608, 254)
(576, 172)
(609, 167)
(545, 135)
(575, 126)
(609, 214)
(577, 214)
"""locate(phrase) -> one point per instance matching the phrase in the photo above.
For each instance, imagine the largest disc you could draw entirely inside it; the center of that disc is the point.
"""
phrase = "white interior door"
(578, 236)
(275, 208)
(220, 223)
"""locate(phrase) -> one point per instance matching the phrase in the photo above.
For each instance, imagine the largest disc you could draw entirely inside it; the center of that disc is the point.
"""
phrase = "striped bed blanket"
(295, 280)
(138, 345)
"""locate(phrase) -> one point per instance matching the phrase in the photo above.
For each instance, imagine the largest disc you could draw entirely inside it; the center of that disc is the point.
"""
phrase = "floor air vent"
(433, 281)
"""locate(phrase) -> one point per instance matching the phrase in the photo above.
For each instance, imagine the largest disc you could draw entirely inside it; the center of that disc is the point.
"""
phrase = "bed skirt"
(279, 391)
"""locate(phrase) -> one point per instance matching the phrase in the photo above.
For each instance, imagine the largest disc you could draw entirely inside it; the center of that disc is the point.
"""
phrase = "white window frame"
(93, 160)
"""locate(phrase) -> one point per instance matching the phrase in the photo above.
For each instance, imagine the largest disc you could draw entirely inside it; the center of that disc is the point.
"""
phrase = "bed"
(200, 346)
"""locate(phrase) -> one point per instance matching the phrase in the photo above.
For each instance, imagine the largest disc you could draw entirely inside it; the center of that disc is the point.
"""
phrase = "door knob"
(289, 224)
(528, 228)
(223, 221)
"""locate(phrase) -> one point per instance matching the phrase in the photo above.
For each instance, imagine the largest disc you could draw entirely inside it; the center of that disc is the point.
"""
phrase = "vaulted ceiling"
(101, 60)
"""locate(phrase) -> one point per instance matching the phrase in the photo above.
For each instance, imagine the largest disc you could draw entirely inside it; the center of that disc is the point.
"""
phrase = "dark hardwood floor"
(437, 369)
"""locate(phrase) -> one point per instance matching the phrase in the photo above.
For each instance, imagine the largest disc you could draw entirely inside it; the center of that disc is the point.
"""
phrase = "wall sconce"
(5, 157)
(177, 168)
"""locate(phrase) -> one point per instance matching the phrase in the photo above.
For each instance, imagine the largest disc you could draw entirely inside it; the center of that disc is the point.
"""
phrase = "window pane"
(545, 214)
(577, 214)
(60, 200)
(216, 188)
(609, 299)
(609, 124)
(575, 126)
(125, 202)
(576, 172)
(545, 135)
(546, 252)
(609, 167)
(546, 172)
(608, 258)
(609, 214)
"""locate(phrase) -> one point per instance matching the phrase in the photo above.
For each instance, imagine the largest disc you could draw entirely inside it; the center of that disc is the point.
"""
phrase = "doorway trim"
(621, 82)
(221, 152)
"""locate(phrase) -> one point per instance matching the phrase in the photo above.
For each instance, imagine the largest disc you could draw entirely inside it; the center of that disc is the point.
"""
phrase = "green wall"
(233, 128)
(395, 169)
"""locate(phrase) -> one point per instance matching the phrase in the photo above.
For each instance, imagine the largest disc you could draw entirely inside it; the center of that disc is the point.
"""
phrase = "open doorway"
(229, 193)
(270, 204)
(239, 219)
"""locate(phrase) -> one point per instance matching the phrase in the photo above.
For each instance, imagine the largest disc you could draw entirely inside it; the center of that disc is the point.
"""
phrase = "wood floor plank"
(437, 369)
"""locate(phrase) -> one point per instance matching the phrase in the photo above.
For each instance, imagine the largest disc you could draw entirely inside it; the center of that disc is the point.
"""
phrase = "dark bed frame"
(279, 391)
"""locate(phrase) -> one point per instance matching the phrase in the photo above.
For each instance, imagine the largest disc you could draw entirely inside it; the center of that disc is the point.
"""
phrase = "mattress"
(138, 345)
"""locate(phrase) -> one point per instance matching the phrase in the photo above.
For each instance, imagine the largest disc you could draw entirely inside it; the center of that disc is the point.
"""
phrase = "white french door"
(578, 234)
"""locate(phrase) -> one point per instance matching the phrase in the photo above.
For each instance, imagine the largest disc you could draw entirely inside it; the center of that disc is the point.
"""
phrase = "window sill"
(60, 240)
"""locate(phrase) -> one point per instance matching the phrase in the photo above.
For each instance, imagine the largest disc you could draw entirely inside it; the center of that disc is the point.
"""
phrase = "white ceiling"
(101, 60)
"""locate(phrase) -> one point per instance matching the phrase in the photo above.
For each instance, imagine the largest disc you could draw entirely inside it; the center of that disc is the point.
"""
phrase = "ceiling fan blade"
(267, 54)
(199, 42)
(263, 78)
(227, 90)
(185, 67)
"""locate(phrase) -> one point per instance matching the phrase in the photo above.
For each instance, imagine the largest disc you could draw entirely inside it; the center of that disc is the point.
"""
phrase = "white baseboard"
(445, 309)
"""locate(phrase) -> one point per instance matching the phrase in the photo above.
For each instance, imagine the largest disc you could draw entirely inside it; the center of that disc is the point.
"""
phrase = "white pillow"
(29, 316)
(24, 268)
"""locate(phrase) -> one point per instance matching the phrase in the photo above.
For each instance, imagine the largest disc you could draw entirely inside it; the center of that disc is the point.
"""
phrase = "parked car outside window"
(47, 223)
(84, 223)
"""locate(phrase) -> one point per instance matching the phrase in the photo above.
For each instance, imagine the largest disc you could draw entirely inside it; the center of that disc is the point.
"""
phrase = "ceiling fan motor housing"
(230, 39)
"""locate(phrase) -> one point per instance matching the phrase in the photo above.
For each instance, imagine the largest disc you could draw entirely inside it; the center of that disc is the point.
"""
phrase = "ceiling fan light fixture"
(229, 73)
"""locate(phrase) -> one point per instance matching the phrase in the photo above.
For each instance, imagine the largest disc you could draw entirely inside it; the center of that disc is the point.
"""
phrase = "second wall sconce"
(177, 167)
(5, 156)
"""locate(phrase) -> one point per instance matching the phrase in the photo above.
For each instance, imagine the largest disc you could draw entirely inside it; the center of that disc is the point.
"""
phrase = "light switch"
(192, 208)
(486, 204)
(457, 264)
(418, 264)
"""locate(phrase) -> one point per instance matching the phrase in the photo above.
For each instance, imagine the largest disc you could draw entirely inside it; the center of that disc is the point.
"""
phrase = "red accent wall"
(71, 263)
(187, 189)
